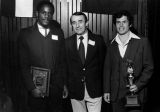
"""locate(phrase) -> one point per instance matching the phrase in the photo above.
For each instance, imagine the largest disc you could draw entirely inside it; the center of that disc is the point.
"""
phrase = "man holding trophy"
(131, 98)
(128, 67)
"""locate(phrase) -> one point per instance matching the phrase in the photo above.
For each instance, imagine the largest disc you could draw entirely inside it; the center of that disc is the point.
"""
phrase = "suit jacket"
(115, 68)
(91, 72)
(46, 52)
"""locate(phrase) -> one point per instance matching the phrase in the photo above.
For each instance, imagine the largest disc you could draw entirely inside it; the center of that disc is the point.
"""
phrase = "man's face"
(122, 25)
(45, 15)
(79, 24)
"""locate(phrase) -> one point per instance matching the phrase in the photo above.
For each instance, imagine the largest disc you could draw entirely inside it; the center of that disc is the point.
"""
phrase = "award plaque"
(41, 79)
(131, 98)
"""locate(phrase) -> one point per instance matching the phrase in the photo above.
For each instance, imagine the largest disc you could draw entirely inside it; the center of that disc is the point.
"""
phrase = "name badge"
(91, 42)
(54, 37)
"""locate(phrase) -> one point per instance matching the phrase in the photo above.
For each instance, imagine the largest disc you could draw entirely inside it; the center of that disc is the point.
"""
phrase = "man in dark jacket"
(127, 54)
(42, 54)
(85, 57)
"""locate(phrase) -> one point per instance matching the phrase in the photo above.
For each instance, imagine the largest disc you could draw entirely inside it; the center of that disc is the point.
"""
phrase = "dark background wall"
(153, 34)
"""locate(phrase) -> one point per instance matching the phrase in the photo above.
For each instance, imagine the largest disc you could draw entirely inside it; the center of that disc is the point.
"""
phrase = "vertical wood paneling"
(110, 32)
(70, 11)
(24, 22)
(64, 17)
(90, 18)
(94, 23)
(74, 6)
(135, 17)
(58, 18)
(144, 20)
(78, 5)
(104, 25)
(67, 20)
(55, 9)
(5, 51)
(139, 25)
(98, 23)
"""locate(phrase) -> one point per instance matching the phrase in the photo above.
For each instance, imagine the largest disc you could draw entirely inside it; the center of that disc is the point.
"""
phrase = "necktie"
(81, 50)
(45, 32)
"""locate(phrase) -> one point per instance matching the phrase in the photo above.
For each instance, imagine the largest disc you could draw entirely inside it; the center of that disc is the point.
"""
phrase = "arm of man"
(24, 61)
(62, 69)
(106, 76)
(147, 65)
(107, 97)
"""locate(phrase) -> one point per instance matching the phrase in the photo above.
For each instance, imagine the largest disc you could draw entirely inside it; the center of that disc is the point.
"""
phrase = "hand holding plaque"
(132, 98)
(41, 79)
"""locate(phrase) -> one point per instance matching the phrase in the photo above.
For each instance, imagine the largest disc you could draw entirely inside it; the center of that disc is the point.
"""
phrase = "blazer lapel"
(132, 48)
(53, 45)
(115, 50)
(73, 48)
(90, 48)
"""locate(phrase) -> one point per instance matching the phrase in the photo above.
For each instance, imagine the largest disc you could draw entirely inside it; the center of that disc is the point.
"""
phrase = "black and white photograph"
(79, 56)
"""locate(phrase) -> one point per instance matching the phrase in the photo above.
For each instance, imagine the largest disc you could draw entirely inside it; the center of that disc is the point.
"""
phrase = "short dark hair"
(43, 3)
(123, 13)
(79, 14)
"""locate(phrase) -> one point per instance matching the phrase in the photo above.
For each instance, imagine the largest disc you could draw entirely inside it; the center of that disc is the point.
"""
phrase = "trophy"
(131, 98)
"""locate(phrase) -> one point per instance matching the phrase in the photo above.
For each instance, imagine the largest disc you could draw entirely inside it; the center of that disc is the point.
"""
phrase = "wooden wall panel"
(104, 25)
(98, 23)
(70, 11)
(55, 9)
(90, 18)
(58, 16)
(64, 17)
(94, 23)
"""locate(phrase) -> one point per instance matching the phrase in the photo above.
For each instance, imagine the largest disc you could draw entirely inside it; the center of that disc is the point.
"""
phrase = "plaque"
(132, 97)
(41, 79)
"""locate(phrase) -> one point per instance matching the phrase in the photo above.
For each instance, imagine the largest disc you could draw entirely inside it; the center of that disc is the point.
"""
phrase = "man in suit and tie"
(42, 46)
(85, 57)
(126, 48)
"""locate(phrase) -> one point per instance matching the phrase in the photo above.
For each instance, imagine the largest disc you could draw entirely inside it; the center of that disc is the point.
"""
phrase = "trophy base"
(132, 101)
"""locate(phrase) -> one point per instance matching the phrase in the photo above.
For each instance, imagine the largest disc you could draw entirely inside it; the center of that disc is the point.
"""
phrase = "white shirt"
(42, 30)
(123, 46)
(85, 42)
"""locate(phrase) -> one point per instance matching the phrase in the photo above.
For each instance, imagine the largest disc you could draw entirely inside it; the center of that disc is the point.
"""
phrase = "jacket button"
(83, 79)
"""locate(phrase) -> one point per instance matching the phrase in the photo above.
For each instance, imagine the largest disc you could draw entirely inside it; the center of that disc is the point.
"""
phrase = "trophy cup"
(131, 98)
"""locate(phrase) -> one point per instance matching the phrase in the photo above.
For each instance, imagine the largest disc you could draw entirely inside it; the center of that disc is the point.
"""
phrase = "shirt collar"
(85, 35)
(41, 27)
(131, 35)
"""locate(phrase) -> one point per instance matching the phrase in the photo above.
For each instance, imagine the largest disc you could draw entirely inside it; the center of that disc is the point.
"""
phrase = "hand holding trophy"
(131, 98)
